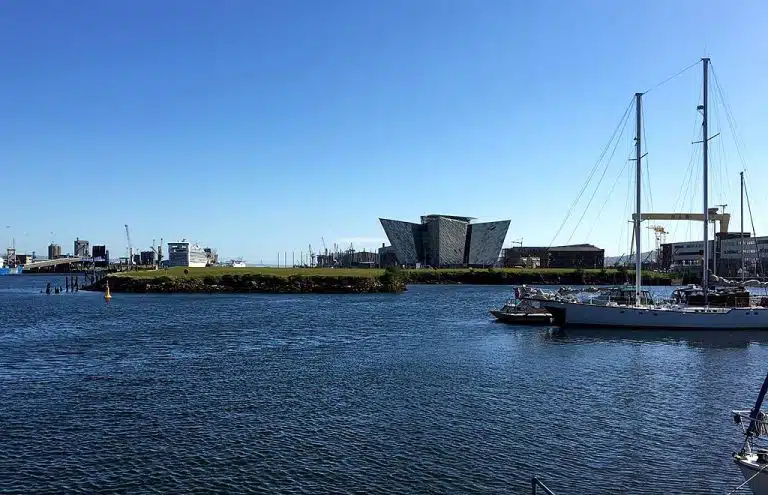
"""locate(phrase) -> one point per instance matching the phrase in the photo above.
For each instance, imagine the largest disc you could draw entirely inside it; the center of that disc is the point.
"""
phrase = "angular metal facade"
(485, 242)
(446, 241)
(402, 236)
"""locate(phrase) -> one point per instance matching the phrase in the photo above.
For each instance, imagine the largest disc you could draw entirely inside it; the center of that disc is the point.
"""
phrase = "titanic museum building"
(446, 241)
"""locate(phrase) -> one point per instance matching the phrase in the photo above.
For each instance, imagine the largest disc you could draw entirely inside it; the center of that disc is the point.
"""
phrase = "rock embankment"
(251, 283)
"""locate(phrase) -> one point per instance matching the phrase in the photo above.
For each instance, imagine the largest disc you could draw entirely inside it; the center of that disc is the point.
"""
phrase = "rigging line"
(729, 117)
(681, 198)
(618, 177)
(725, 179)
(688, 178)
(754, 231)
(647, 167)
(672, 77)
(683, 193)
(600, 181)
(626, 209)
(694, 198)
(620, 124)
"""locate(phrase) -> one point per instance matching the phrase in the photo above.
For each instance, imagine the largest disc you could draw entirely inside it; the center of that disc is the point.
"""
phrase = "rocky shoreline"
(249, 283)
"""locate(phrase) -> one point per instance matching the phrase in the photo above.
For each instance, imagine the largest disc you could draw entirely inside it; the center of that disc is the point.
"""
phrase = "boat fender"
(737, 419)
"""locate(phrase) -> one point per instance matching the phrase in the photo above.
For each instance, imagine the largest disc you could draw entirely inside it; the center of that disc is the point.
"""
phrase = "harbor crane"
(158, 250)
(660, 234)
(130, 246)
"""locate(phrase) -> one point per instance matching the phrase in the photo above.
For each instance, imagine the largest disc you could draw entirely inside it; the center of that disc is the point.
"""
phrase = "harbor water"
(411, 393)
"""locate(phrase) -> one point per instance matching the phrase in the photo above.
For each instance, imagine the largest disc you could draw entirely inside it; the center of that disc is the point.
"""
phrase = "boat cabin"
(722, 297)
(624, 295)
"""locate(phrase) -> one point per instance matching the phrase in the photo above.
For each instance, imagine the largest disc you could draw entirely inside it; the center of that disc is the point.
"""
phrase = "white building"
(186, 254)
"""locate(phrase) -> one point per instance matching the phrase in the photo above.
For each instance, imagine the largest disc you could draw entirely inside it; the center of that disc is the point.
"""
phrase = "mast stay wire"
(729, 117)
(610, 192)
(620, 125)
(625, 211)
(752, 221)
(737, 142)
(600, 181)
(697, 62)
(689, 174)
(722, 164)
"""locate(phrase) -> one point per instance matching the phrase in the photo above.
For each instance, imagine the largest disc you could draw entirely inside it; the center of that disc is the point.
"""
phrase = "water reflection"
(722, 339)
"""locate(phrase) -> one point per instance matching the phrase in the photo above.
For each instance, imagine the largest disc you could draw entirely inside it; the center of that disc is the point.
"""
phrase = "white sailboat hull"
(758, 479)
(576, 314)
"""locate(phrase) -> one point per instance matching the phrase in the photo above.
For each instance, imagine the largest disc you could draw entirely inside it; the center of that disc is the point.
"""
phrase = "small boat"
(516, 311)
(752, 459)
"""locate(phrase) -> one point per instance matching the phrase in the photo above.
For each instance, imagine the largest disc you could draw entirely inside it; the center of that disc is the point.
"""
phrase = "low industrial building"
(147, 258)
(387, 256)
(446, 241)
(572, 256)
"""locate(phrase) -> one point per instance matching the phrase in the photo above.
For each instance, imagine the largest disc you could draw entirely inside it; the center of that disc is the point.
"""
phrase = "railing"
(536, 484)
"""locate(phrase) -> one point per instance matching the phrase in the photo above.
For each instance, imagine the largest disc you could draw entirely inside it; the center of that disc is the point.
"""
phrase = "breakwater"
(340, 281)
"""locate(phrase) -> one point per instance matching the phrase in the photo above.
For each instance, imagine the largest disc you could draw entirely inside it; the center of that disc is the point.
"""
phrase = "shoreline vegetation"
(353, 280)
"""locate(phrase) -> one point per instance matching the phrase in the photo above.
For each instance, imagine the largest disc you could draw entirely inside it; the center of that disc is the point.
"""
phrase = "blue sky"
(258, 127)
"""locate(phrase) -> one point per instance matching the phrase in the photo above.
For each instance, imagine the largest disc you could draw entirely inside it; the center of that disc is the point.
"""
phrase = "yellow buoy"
(107, 295)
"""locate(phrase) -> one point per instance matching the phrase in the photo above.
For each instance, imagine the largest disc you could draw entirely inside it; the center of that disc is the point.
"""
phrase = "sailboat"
(751, 459)
(638, 310)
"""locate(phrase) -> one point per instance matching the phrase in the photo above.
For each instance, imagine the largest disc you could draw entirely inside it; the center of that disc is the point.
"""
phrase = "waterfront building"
(81, 248)
(446, 241)
(725, 254)
(572, 256)
(186, 254)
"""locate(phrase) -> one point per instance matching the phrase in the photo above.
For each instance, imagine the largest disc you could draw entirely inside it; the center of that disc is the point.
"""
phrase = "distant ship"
(10, 270)
(237, 263)
(186, 254)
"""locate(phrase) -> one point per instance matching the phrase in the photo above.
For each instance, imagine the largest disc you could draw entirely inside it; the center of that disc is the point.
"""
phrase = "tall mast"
(742, 225)
(638, 181)
(705, 139)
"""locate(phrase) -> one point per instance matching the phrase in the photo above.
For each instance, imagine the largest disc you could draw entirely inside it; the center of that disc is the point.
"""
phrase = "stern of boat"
(557, 312)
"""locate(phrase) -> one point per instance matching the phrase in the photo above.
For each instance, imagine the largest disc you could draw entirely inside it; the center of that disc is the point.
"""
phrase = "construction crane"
(325, 249)
(158, 250)
(130, 246)
(660, 234)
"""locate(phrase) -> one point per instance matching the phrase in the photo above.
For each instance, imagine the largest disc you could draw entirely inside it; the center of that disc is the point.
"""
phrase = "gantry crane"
(660, 234)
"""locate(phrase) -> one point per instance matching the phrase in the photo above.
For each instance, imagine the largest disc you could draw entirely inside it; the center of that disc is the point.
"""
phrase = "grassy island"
(352, 280)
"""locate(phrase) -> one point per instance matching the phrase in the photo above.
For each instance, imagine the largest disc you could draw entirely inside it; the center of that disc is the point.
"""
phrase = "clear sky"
(258, 127)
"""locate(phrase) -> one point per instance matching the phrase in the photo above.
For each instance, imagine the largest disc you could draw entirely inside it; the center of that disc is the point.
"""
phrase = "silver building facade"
(446, 241)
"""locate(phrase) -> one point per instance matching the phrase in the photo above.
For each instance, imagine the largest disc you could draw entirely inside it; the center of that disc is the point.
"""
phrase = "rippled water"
(418, 392)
